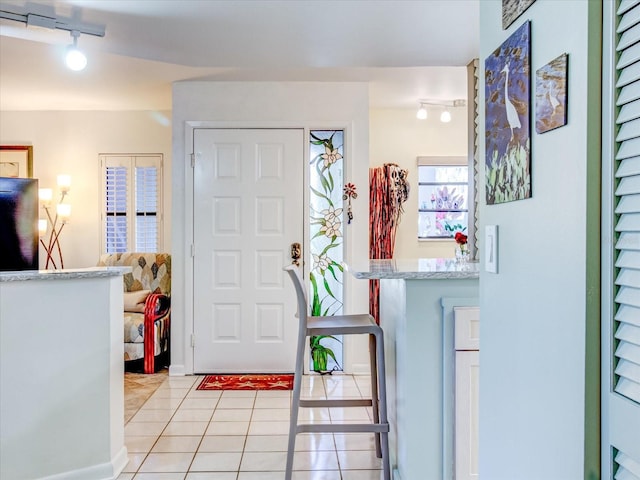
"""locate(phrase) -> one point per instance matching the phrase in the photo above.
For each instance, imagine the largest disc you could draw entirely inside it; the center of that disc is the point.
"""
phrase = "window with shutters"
(443, 196)
(627, 204)
(132, 203)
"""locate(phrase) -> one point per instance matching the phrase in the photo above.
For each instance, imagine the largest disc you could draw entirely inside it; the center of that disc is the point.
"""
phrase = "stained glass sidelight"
(326, 240)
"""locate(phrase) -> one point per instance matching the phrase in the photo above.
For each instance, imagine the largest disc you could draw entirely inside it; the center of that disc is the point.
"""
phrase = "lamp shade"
(64, 211)
(42, 226)
(45, 195)
(64, 182)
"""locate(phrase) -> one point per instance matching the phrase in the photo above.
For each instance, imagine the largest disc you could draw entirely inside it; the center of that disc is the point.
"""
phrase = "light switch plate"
(491, 248)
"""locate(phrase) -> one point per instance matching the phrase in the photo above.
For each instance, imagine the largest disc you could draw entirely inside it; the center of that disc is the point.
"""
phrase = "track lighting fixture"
(75, 59)
(422, 113)
(445, 116)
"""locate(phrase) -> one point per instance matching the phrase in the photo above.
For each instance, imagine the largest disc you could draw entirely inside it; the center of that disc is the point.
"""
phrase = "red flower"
(461, 238)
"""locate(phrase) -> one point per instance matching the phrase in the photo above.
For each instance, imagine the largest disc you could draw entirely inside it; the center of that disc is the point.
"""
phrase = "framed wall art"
(16, 161)
(551, 94)
(512, 9)
(507, 119)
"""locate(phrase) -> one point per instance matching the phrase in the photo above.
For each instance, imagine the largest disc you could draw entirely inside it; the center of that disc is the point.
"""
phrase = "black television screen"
(18, 224)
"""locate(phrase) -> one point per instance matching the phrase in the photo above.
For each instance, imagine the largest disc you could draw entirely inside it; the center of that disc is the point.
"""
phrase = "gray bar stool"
(340, 325)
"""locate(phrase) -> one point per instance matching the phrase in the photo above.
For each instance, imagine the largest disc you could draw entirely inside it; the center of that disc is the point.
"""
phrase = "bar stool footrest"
(348, 402)
(343, 428)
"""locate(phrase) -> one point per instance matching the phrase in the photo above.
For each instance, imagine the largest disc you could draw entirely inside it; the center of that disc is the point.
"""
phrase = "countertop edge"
(68, 274)
(415, 269)
(415, 275)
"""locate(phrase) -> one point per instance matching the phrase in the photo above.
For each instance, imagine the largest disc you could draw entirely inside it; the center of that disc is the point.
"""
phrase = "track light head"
(75, 59)
(422, 113)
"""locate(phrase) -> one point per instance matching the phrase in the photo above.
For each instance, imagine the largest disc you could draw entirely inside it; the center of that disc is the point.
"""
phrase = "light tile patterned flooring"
(181, 433)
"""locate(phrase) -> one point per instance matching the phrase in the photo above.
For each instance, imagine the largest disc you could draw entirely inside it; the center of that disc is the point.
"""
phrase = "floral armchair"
(147, 305)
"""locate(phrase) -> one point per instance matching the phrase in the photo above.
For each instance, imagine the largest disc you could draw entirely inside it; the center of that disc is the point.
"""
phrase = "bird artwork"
(553, 100)
(512, 113)
(507, 123)
(551, 94)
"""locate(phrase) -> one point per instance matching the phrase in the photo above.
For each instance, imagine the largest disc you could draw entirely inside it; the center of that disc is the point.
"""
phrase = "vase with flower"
(462, 248)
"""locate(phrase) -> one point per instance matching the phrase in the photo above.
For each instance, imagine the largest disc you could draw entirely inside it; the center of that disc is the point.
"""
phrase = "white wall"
(70, 142)
(397, 136)
(535, 341)
(268, 104)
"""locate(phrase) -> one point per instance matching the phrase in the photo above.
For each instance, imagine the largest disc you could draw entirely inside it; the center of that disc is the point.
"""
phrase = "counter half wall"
(417, 298)
(61, 374)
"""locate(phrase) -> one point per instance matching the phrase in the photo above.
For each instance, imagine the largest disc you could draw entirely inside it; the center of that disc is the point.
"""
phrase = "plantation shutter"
(146, 181)
(116, 231)
(627, 198)
(132, 198)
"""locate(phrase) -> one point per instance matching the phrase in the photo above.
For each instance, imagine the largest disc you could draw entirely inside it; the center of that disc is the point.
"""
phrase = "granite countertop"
(416, 269)
(66, 274)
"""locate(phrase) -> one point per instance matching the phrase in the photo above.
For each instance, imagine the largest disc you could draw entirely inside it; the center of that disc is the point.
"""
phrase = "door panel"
(248, 209)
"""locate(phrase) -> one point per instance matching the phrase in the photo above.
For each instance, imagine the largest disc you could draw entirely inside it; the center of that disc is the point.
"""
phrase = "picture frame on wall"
(507, 119)
(16, 161)
(512, 9)
(551, 94)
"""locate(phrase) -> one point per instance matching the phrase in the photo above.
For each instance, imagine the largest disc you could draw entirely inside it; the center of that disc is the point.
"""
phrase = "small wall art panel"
(512, 9)
(551, 94)
(507, 119)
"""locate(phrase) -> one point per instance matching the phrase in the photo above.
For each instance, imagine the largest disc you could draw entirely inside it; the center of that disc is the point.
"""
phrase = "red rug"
(247, 382)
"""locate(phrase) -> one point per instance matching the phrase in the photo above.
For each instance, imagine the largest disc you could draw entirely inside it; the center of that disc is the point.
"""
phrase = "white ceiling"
(406, 49)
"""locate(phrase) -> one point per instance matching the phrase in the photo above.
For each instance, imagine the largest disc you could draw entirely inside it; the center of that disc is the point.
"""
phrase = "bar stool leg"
(295, 406)
(384, 436)
(374, 389)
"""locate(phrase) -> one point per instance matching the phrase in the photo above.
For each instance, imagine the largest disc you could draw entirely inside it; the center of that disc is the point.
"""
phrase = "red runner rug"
(247, 382)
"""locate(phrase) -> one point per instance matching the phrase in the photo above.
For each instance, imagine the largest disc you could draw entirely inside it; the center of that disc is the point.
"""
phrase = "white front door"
(248, 210)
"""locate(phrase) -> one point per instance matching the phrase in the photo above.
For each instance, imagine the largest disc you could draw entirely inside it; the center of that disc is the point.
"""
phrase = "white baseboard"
(361, 369)
(104, 471)
(120, 461)
(176, 371)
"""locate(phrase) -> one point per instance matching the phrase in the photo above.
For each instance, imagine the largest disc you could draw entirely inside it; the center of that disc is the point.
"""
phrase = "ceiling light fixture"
(445, 116)
(75, 59)
(422, 113)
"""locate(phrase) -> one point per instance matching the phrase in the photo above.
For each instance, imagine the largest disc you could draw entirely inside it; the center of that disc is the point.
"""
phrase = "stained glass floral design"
(326, 233)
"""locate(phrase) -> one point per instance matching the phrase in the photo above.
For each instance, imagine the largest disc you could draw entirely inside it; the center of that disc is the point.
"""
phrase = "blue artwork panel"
(507, 120)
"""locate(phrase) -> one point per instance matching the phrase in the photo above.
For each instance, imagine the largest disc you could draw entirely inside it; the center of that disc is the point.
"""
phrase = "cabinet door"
(466, 416)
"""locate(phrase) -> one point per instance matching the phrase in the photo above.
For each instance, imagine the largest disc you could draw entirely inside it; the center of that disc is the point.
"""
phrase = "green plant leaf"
(328, 288)
(331, 245)
(315, 306)
(330, 268)
(319, 194)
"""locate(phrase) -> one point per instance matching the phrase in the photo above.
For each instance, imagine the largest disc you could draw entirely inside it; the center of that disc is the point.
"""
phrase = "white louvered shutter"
(132, 199)
(116, 198)
(627, 193)
(146, 208)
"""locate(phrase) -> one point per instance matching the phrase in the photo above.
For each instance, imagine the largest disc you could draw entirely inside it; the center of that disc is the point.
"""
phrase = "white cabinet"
(467, 388)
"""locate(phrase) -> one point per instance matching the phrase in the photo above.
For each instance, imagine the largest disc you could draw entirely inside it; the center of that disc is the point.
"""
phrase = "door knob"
(296, 251)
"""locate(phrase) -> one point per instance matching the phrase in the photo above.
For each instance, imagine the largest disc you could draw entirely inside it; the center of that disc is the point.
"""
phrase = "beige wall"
(396, 136)
(70, 142)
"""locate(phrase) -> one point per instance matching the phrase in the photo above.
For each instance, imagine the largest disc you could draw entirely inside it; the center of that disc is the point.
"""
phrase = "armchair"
(147, 308)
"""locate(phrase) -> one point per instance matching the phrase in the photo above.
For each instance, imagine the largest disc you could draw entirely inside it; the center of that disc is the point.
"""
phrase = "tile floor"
(181, 433)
